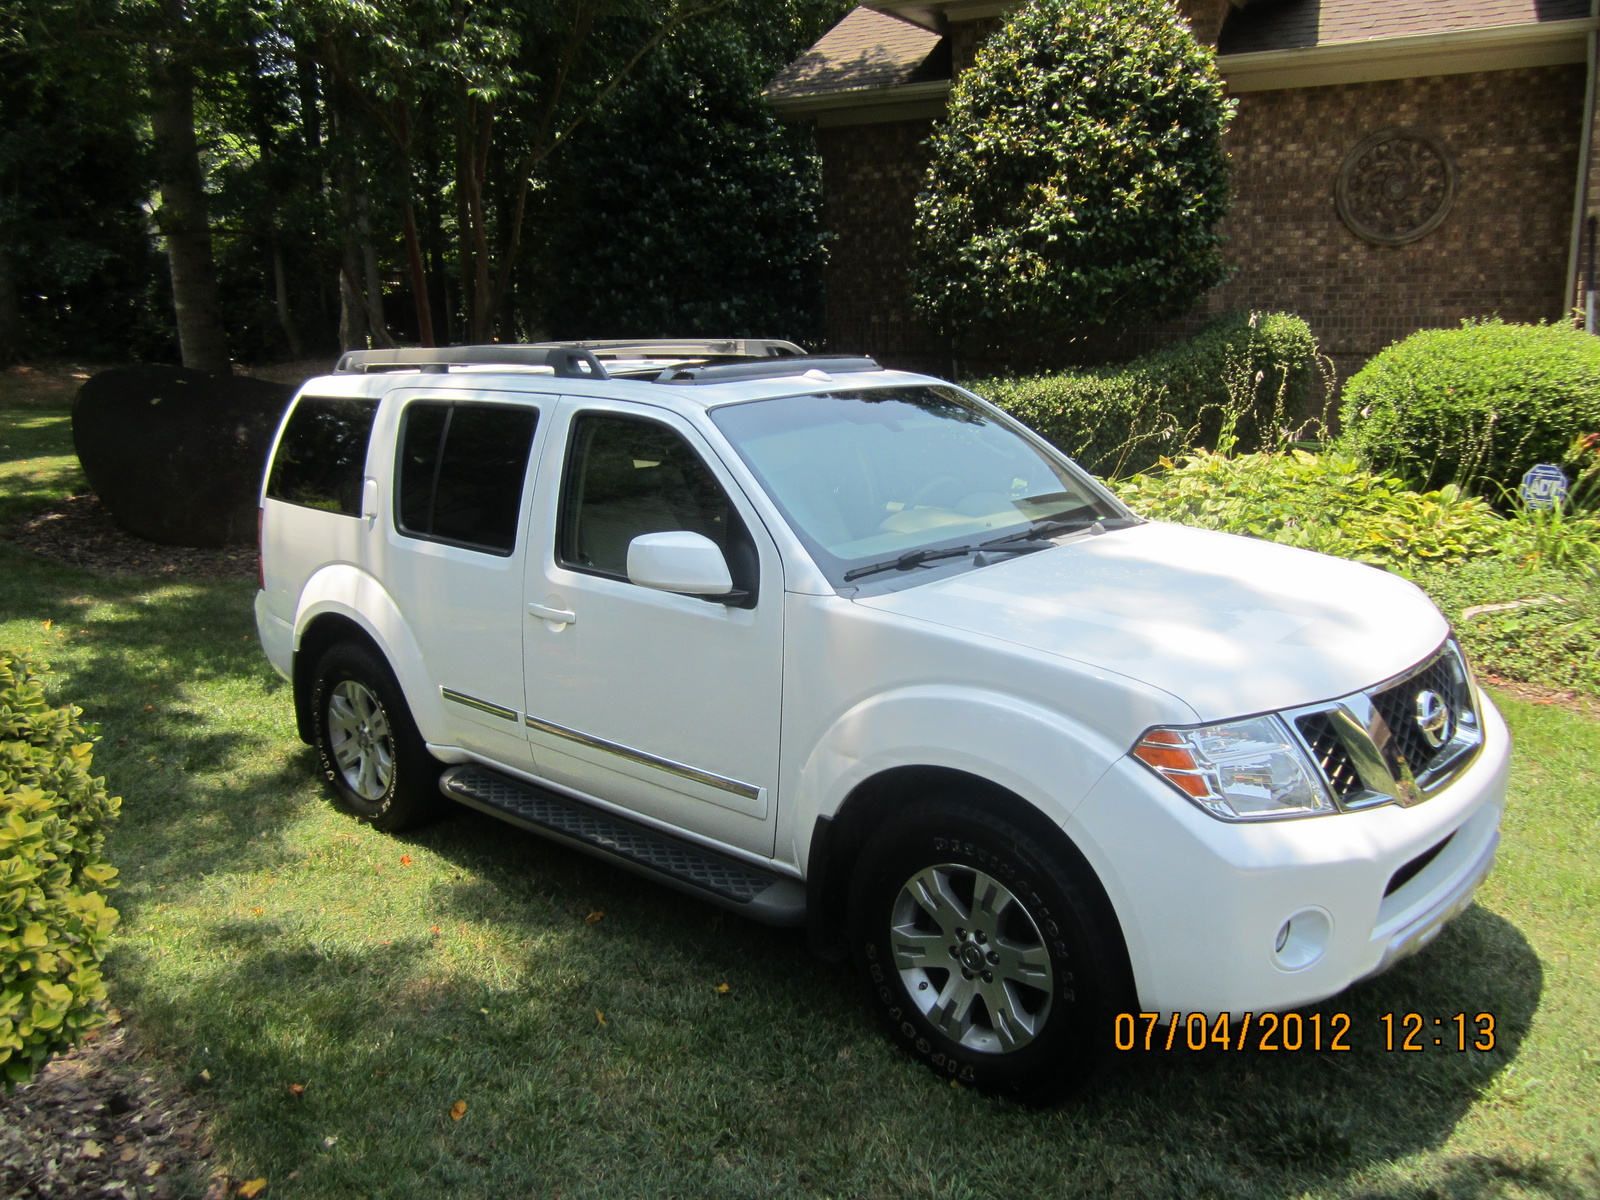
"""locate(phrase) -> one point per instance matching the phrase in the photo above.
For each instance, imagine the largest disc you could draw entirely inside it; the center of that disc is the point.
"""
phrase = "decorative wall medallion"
(1396, 186)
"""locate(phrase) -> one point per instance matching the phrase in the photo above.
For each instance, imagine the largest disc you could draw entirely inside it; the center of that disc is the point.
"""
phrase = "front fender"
(353, 594)
(1045, 758)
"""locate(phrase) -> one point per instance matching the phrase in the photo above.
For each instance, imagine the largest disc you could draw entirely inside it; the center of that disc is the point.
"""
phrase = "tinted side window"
(322, 455)
(627, 477)
(461, 469)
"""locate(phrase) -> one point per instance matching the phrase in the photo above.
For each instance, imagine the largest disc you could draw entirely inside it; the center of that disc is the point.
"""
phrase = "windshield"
(869, 478)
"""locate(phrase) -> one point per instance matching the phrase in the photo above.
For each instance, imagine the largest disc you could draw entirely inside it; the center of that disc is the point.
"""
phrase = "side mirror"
(679, 562)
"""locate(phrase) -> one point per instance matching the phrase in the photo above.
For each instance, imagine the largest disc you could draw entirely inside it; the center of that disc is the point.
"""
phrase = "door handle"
(560, 615)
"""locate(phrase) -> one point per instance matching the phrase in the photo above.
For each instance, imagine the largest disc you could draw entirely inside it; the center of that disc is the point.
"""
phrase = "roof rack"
(566, 361)
(805, 365)
(686, 348)
(569, 360)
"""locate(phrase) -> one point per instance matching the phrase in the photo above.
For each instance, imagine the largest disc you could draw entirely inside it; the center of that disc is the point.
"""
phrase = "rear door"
(455, 528)
(667, 705)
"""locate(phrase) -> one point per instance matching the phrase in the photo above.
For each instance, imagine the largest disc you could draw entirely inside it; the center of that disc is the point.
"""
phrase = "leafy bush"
(1325, 502)
(1242, 373)
(1476, 406)
(53, 919)
(1079, 176)
(1523, 622)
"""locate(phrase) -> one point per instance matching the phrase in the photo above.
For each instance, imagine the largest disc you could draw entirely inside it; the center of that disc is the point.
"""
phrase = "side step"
(763, 896)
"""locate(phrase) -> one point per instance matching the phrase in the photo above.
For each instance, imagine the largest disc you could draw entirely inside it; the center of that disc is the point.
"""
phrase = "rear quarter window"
(322, 455)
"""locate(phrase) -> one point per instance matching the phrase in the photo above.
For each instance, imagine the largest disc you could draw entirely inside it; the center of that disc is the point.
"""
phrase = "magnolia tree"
(1079, 177)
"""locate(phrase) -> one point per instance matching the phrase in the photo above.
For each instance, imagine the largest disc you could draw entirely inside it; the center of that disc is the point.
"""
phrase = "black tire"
(371, 756)
(1024, 1008)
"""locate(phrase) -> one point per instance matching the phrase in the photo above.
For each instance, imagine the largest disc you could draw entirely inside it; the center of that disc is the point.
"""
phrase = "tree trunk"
(352, 309)
(182, 218)
(10, 312)
(419, 279)
(281, 290)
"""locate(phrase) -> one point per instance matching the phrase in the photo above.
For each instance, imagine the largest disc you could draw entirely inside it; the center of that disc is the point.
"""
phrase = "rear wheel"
(372, 758)
(987, 959)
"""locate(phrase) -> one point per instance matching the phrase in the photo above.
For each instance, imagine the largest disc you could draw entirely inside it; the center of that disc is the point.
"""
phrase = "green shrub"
(1476, 406)
(1324, 502)
(1523, 621)
(1245, 372)
(1079, 176)
(53, 920)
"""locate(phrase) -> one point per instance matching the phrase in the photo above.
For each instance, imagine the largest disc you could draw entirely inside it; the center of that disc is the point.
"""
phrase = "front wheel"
(373, 760)
(985, 956)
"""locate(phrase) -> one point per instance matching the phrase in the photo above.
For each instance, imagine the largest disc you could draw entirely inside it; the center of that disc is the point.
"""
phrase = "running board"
(763, 896)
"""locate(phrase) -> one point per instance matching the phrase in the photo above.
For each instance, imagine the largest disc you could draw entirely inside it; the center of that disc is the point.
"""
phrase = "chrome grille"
(1371, 746)
(1329, 752)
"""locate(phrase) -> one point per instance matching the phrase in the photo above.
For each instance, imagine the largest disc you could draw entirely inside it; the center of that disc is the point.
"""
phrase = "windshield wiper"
(1043, 531)
(905, 562)
(916, 558)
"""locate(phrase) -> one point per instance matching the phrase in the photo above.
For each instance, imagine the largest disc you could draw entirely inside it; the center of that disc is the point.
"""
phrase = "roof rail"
(813, 365)
(567, 361)
(686, 348)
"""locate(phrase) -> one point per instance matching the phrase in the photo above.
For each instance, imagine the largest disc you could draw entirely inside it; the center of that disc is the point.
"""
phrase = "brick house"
(1396, 164)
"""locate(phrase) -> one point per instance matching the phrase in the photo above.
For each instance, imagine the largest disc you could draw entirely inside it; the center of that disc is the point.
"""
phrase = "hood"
(1229, 625)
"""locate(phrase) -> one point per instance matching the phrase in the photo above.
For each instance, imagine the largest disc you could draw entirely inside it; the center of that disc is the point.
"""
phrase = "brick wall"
(1503, 249)
(870, 178)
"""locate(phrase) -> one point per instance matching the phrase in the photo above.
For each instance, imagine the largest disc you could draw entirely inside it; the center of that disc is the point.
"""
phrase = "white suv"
(829, 644)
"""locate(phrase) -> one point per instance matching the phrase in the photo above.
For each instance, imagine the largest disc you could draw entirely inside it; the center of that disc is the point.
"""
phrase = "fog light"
(1302, 939)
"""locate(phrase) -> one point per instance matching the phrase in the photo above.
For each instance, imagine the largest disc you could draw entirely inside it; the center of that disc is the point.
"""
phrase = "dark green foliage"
(53, 920)
(1477, 405)
(75, 247)
(1259, 369)
(1079, 177)
(685, 208)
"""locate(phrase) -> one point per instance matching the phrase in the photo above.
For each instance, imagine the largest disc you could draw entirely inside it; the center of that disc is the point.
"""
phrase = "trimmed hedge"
(1079, 176)
(1476, 406)
(1242, 375)
(53, 919)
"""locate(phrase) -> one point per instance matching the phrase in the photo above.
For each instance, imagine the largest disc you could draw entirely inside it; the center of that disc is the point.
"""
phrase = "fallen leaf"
(252, 1189)
(258, 911)
(297, 1089)
(433, 929)
(724, 988)
(128, 1155)
(92, 1149)
(405, 860)
(154, 1168)
(47, 624)
(458, 1110)
(599, 1016)
(206, 1075)
(329, 1140)
(149, 708)
(594, 916)
(955, 1083)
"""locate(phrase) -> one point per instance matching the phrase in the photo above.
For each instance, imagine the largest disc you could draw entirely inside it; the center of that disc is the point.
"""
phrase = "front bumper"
(1203, 903)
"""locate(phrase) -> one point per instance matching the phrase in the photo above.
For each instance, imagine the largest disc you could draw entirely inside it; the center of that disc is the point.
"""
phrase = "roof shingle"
(1297, 24)
(866, 49)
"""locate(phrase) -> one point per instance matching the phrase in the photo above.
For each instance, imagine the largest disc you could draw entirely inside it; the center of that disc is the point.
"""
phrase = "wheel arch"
(321, 634)
(837, 842)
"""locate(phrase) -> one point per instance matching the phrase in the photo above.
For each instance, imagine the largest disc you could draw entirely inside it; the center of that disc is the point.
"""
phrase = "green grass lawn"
(268, 941)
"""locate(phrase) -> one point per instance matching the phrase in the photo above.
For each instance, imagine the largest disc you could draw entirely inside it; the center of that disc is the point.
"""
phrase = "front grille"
(1330, 753)
(1398, 707)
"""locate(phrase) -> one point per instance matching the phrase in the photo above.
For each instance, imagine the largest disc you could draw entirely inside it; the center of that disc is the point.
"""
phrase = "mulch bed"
(92, 1123)
(80, 531)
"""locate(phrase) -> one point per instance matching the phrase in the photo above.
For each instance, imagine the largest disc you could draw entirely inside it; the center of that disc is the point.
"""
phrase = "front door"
(664, 704)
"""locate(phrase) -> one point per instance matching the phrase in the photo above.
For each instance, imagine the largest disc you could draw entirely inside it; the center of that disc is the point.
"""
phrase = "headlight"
(1242, 771)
